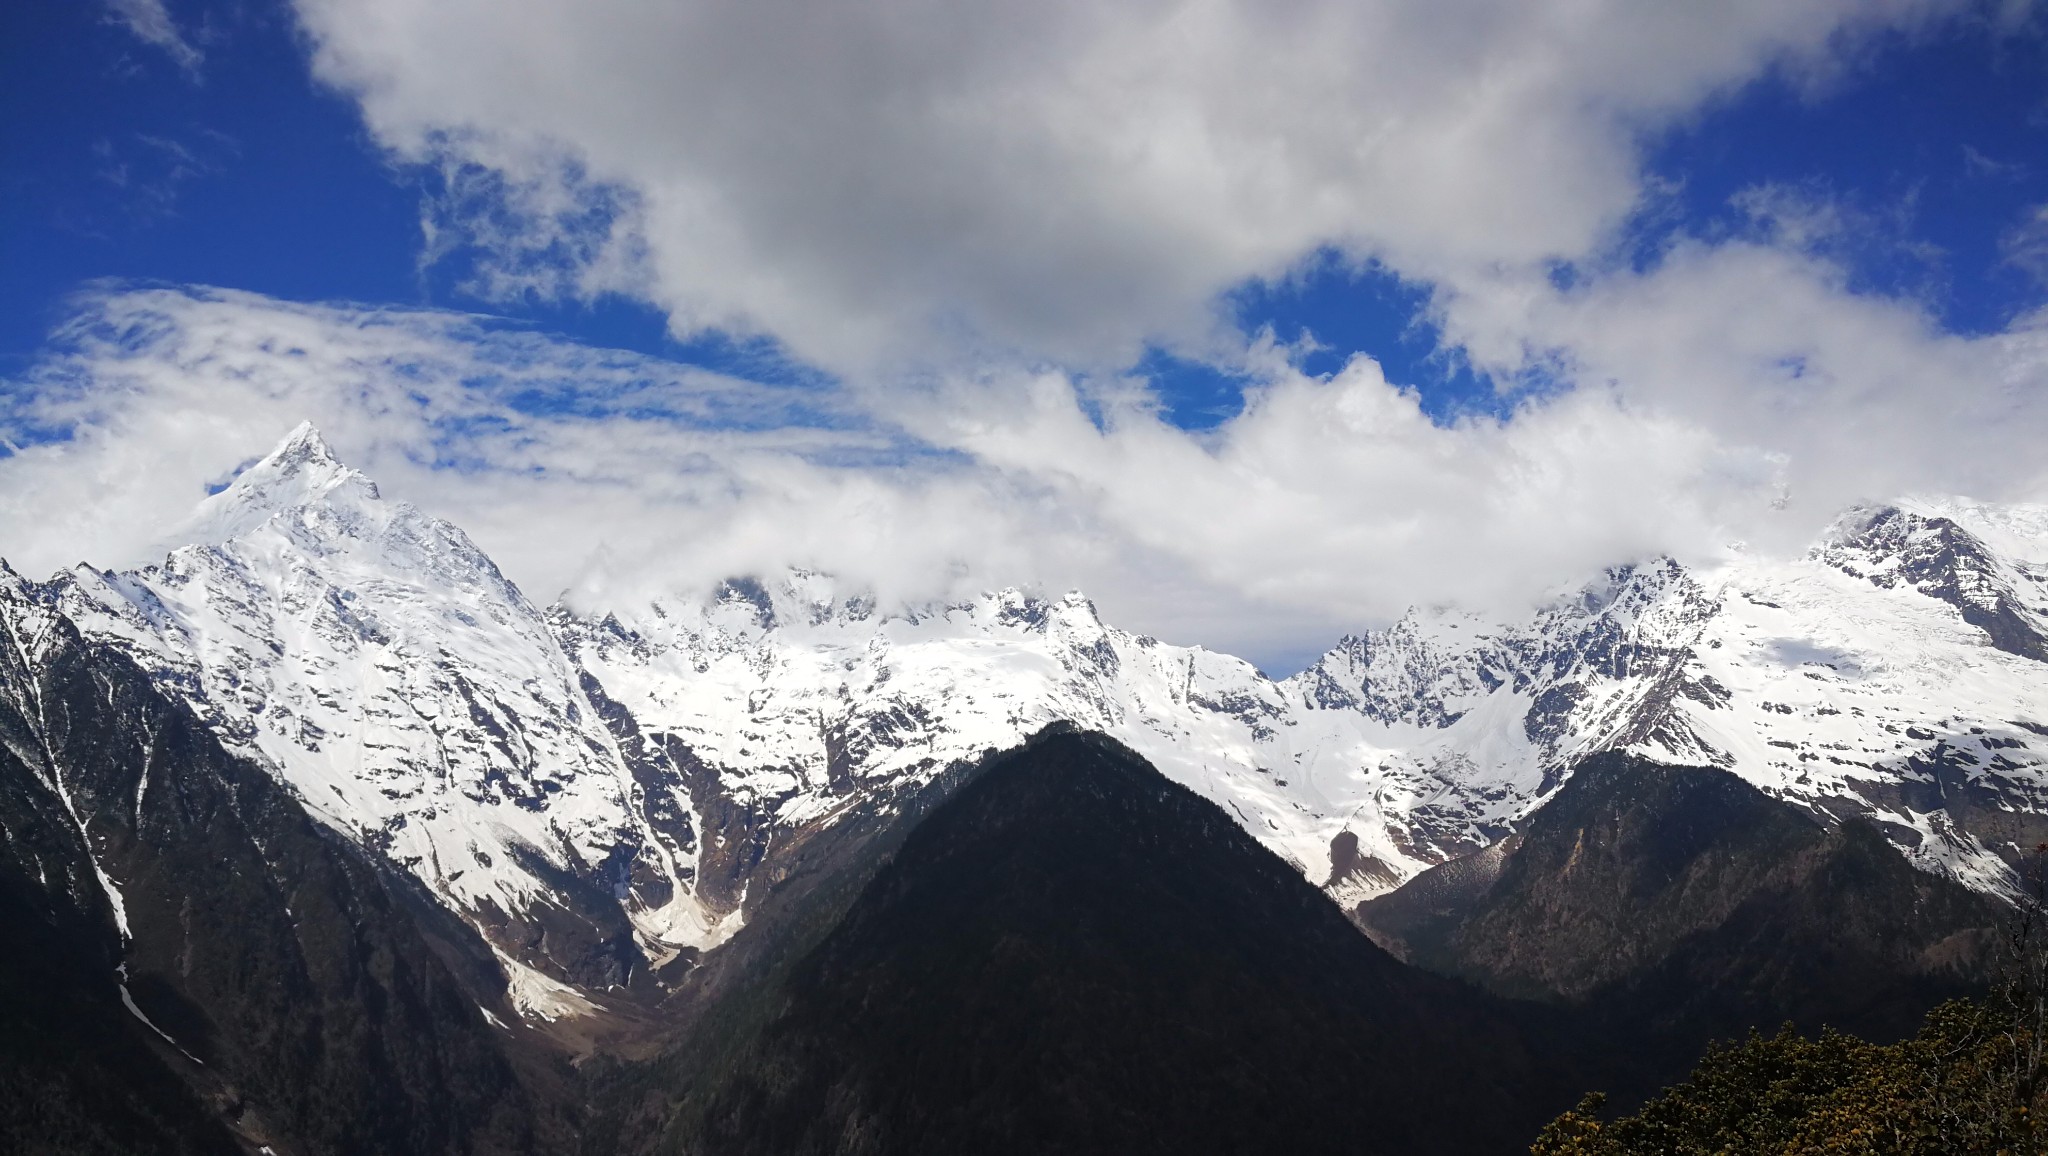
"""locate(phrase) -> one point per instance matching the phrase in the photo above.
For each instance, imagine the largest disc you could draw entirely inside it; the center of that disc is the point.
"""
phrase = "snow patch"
(128, 1001)
(541, 997)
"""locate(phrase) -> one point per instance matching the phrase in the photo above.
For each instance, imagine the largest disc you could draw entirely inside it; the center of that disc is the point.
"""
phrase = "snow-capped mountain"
(1894, 673)
(411, 697)
(596, 793)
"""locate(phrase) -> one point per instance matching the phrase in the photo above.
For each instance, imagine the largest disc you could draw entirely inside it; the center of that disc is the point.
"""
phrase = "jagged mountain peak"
(301, 471)
(2016, 532)
(1924, 549)
(375, 660)
(745, 611)
(303, 447)
(1887, 535)
(664, 752)
(301, 501)
(1854, 522)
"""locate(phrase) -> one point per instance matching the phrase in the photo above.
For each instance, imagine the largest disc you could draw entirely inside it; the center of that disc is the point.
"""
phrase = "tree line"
(1970, 1083)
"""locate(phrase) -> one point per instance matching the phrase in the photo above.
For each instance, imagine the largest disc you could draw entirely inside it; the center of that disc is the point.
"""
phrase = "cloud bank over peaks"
(1853, 397)
(914, 182)
(1328, 505)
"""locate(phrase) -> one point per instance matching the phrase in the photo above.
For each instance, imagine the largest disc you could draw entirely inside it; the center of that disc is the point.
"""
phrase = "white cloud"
(941, 201)
(1861, 398)
(147, 396)
(910, 180)
(151, 23)
(2026, 243)
(1327, 505)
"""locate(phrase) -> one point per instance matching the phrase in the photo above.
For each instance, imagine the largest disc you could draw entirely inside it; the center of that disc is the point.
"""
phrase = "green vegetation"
(1970, 1083)
(1965, 1085)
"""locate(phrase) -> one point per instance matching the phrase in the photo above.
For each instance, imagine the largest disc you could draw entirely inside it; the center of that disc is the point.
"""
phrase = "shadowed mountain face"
(1671, 905)
(1074, 954)
(192, 964)
(74, 1075)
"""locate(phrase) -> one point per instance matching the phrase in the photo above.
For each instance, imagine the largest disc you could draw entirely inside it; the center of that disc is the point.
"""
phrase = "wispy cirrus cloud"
(150, 172)
(2025, 245)
(150, 22)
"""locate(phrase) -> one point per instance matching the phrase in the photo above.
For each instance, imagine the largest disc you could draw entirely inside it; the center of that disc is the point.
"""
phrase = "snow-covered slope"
(597, 792)
(1402, 747)
(410, 695)
(798, 700)
(1895, 673)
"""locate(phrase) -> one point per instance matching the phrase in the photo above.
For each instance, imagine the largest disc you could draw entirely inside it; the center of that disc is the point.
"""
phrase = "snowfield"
(531, 765)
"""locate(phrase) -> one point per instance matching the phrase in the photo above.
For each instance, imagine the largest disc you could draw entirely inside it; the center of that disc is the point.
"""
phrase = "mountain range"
(360, 838)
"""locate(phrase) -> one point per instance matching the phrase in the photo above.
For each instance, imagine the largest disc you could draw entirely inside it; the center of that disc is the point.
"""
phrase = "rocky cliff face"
(1933, 555)
(194, 963)
(603, 796)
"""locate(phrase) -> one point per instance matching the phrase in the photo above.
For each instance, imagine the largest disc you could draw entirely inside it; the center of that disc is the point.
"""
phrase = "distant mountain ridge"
(1676, 905)
(603, 797)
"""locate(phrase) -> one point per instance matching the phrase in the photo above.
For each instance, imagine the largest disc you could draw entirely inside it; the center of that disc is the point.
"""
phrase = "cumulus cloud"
(1859, 398)
(911, 181)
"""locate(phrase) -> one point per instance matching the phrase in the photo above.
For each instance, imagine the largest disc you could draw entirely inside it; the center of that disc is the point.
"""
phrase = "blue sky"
(1940, 142)
(1703, 234)
(121, 164)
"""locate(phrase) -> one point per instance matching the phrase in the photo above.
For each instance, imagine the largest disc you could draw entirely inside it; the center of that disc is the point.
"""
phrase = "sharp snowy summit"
(599, 793)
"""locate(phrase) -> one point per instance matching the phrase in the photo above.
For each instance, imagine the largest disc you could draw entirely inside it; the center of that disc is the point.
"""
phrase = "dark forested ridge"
(1967, 1084)
(1073, 954)
(283, 992)
(1673, 905)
